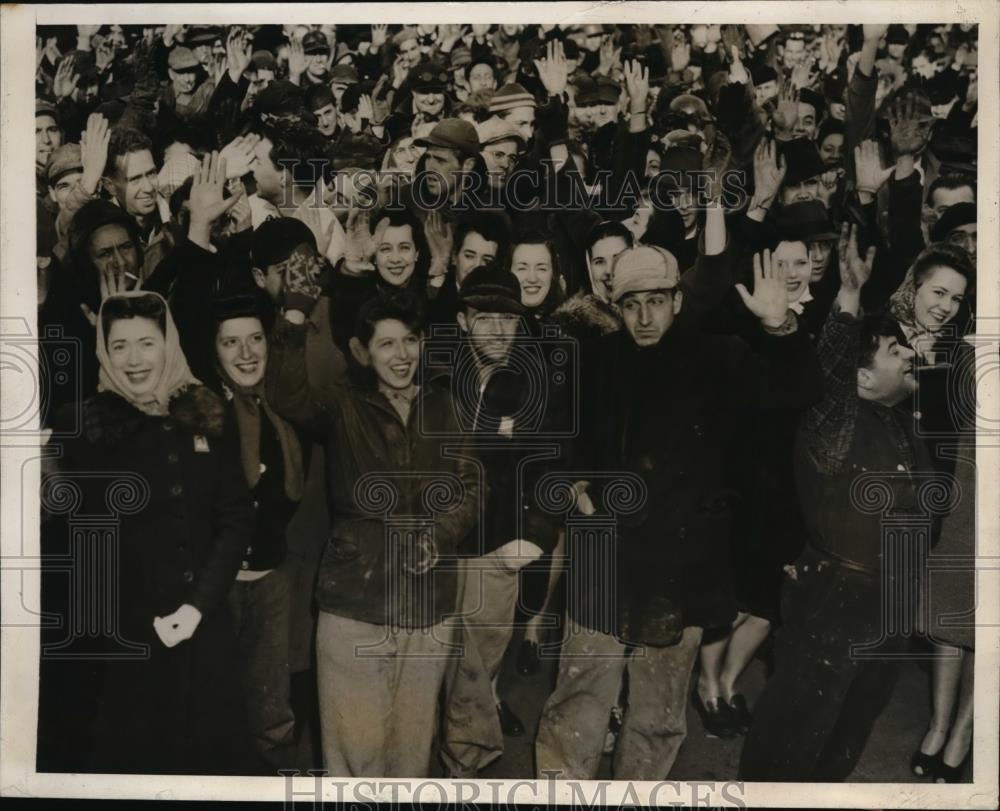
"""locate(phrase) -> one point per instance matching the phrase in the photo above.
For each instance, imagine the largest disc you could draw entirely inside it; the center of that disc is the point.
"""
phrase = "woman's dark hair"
(874, 328)
(830, 126)
(124, 141)
(300, 148)
(398, 305)
(535, 236)
(608, 228)
(944, 254)
(483, 59)
(119, 307)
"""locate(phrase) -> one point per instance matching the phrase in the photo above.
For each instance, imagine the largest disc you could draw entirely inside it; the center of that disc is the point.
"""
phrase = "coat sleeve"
(232, 525)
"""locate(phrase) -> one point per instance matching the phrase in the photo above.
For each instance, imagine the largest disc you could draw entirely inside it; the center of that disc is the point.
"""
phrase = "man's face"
(896, 50)
(965, 236)
(793, 258)
(268, 177)
(648, 315)
(603, 114)
(523, 120)
(945, 198)
(500, 158)
(183, 81)
(765, 91)
(326, 119)
(62, 188)
(203, 53)
(316, 65)
(241, 347)
(805, 127)
(430, 104)
(405, 155)
(135, 182)
(272, 278)
(831, 150)
(794, 53)
(890, 378)
(393, 353)
(938, 298)
(410, 53)
(48, 138)
(819, 258)
(806, 190)
(260, 78)
(395, 254)
(593, 38)
(474, 251)
(481, 78)
(532, 264)
(112, 250)
(600, 260)
(441, 164)
(684, 201)
(491, 334)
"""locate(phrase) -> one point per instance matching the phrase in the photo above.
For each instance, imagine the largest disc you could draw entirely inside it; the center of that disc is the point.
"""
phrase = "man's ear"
(678, 300)
(108, 186)
(360, 353)
(463, 323)
(258, 277)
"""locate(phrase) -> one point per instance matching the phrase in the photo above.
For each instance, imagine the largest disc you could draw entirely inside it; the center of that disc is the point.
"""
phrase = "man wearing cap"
(516, 106)
(500, 366)
(642, 608)
(64, 171)
(201, 40)
(958, 226)
(316, 49)
(185, 95)
(499, 144)
(427, 83)
(803, 171)
(341, 77)
(452, 149)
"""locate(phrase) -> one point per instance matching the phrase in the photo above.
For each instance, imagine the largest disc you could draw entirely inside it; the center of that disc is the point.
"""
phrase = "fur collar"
(585, 313)
(109, 420)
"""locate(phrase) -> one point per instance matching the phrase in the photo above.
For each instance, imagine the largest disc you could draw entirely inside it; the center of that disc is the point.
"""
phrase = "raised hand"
(854, 271)
(786, 115)
(399, 71)
(768, 173)
(874, 32)
(608, 57)
(828, 185)
(734, 37)
(296, 60)
(238, 155)
(439, 235)
(637, 86)
(737, 71)
(379, 35)
(207, 202)
(366, 112)
(94, 151)
(360, 246)
(680, 55)
(238, 53)
(908, 129)
(552, 70)
(868, 168)
(112, 283)
(66, 78)
(769, 301)
(85, 32)
(170, 34)
(804, 74)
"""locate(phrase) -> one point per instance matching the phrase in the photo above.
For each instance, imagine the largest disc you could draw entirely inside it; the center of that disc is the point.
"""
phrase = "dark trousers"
(817, 711)
(261, 611)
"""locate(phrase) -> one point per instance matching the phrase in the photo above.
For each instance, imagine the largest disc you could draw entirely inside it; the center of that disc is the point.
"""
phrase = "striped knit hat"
(510, 96)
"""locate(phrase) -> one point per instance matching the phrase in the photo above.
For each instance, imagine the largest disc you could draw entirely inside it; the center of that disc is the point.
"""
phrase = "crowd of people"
(630, 335)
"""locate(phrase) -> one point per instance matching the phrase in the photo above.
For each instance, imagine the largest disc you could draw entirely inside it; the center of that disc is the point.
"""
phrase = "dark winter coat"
(666, 414)
(183, 516)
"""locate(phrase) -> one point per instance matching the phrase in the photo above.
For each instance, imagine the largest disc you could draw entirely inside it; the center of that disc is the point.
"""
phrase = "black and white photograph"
(592, 398)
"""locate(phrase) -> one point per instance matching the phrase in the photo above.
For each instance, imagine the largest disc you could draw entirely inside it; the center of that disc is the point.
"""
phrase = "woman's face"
(938, 298)
(653, 163)
(794, 258)
(405, 154)
(532, 264)
(430, 104)
(819, 258)
(393, 352)
(241, 347)
(138, 355)
(395, 254)
(831, 149)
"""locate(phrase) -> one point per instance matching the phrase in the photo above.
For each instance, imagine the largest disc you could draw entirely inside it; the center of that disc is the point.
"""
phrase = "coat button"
(188, 576)
(176, 490)
(244, 565)
(172, 458)
(167, 425)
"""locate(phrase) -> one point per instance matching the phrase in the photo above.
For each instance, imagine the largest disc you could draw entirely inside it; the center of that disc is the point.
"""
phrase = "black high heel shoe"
(717, 720)
(742, 719)
(950, 774)
(924, 765)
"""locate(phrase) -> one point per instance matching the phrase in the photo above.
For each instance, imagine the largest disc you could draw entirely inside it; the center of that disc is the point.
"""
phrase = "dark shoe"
(742, 719)
(924, 765)
(528, 663)
(509, 723)
(716, 717)
(950, 774)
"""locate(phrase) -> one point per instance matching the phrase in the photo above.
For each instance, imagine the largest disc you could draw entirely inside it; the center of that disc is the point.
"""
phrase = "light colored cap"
(493, 130)
(643, 268)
